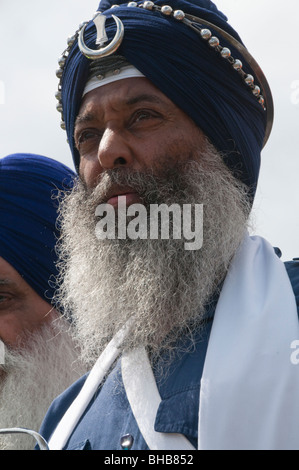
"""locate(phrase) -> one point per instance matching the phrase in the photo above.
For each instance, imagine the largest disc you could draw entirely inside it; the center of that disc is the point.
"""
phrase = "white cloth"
(249, 395)
(70, 419)
(249, 388)
(126, 72)
(139, 382)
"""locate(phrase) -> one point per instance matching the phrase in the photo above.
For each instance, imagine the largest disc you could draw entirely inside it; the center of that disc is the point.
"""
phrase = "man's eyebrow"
(83, 118)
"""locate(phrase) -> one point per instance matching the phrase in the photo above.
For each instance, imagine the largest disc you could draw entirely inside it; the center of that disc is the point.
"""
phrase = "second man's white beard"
(33, 377)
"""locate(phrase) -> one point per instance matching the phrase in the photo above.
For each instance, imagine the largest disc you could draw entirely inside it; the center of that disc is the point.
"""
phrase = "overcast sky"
(33, 35)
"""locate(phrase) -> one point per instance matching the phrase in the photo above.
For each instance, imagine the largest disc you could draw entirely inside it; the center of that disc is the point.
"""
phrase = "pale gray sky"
(33, 35)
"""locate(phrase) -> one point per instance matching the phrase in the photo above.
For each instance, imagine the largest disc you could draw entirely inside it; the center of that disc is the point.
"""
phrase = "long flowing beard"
(32, 378)
(164, 286)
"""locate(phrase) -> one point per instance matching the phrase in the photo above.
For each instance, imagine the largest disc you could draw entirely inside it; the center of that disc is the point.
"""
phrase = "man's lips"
(129, 197)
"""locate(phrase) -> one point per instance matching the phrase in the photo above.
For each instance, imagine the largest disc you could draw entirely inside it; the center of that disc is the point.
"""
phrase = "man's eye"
(144, 115)
(85, 136)
(4, 298)
(87, 141)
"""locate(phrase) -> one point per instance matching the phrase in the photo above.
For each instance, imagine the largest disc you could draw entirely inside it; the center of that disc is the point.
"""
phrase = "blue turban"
(28, 213)
(175, 59)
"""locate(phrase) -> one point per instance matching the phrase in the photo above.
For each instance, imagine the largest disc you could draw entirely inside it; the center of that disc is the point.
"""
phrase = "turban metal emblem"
(103, 51)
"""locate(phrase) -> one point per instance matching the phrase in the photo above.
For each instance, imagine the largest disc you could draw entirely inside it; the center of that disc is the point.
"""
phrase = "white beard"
(32, 378)
(164, 286)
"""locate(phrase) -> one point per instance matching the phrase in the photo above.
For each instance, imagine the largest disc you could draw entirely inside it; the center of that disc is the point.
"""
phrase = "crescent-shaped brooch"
(103, 51)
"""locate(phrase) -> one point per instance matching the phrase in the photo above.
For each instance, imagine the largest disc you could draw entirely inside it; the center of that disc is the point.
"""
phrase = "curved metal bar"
(42, 443)
(94, 54)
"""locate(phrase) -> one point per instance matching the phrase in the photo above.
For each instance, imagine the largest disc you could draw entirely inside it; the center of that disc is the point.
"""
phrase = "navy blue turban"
(175, 59)
(28, 213)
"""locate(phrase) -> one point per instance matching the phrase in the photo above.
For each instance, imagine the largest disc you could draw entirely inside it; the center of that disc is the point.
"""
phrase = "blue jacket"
(109, 416)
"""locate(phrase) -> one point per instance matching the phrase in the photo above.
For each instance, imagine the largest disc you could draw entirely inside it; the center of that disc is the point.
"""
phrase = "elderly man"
(39, 358)
(163, 105)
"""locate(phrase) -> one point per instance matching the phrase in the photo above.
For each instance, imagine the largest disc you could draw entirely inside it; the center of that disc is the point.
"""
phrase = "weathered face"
(21, 308)
(130, 123)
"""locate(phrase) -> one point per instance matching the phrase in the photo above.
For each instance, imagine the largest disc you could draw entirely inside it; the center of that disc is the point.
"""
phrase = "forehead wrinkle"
(144, 97)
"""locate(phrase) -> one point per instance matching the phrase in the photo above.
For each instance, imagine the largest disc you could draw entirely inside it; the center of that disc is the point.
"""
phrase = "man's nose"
(114, 150)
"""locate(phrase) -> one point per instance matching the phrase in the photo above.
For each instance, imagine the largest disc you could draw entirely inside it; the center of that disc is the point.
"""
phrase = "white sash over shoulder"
(70, 419)
(144, 398)
(249, 388)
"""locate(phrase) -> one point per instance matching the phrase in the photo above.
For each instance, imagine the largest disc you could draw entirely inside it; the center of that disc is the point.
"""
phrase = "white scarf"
(249, 388)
